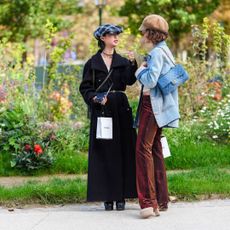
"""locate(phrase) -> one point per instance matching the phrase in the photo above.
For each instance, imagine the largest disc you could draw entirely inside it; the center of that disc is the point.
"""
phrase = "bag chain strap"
(107, 77)
(168, 56)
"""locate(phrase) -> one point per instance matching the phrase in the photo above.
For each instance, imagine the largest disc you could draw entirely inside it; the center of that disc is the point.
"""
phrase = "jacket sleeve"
(86, 87)
(131, 69)
(148, 76)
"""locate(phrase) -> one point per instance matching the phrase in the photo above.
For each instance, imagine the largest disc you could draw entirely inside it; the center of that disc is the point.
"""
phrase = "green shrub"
(207, 65)
(218, 127)
(32, 157)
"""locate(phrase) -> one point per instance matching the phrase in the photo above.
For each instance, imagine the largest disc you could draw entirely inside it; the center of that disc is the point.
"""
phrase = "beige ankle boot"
(146, 212)
(156, 211)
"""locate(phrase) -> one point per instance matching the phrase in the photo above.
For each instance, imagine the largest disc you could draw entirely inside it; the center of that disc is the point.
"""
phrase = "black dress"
(111, 166)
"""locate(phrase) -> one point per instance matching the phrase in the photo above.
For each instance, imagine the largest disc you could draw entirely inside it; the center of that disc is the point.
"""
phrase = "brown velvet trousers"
(150, 168)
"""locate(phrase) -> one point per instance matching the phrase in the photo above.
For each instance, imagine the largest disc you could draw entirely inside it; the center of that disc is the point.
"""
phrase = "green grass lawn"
(199, 167)
(186, 155)
(65, 162)
(185, 185)
(189, 147)
(55, 191)
(202, 181)
(189, 155)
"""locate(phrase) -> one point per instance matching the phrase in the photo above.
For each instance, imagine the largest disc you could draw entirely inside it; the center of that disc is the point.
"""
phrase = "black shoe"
(163, 207)
(108, 205)
(120, 205)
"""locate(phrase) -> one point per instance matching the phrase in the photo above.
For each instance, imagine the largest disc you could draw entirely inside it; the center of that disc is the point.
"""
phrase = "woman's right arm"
(86, 87)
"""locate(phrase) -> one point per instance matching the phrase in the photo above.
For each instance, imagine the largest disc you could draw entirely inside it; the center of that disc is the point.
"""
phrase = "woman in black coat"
(111, 167)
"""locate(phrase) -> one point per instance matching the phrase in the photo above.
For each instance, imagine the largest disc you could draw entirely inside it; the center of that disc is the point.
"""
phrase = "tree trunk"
(176, 46)
(24, 54)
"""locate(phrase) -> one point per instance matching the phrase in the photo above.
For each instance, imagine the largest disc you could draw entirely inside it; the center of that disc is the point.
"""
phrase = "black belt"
(117, 91)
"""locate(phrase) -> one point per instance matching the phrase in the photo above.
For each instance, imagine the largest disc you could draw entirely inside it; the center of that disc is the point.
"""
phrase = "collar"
(98, 63)
(159, 44)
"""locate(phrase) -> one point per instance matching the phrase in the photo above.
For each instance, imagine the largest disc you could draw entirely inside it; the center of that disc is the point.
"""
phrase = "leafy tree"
(23, 19)
(179, 13)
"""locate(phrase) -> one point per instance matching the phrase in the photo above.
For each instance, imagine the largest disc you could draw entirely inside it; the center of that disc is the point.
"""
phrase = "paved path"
(205, 215)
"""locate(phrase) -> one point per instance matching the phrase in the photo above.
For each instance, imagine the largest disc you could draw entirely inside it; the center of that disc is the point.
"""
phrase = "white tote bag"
(104, 128)
(165, 147)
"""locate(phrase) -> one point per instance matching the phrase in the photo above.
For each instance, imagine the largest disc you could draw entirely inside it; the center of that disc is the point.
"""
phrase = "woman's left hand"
(143, 64)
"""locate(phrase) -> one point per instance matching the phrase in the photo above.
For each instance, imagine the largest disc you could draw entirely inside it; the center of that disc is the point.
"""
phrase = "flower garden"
(44, 128)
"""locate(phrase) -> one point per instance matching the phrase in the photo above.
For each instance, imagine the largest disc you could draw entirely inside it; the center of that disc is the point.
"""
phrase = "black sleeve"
(86, 87)
(130, 72)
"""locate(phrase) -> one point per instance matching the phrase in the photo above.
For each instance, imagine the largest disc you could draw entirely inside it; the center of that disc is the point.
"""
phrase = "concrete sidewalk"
(205, 215)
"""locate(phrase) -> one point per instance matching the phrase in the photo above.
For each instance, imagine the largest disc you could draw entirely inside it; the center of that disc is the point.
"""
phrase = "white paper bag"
(104, 128)
(165, 147)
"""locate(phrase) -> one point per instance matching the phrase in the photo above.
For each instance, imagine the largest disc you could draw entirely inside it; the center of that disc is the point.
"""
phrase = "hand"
(131, 56)
(104, 101)
(144, 64)
(94, 99)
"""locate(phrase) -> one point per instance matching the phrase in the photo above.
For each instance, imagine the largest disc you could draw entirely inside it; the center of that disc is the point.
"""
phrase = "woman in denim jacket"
(157, 111)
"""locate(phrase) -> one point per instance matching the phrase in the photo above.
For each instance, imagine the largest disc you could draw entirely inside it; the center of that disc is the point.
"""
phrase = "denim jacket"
(165, 107)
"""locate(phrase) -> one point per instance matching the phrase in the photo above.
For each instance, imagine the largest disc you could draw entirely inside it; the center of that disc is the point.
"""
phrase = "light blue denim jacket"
(165, 107)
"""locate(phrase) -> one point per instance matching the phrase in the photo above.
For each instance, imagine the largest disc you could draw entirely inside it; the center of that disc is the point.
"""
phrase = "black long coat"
(111, 167)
